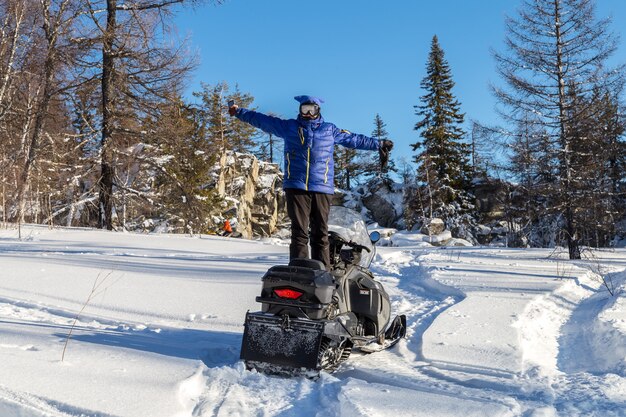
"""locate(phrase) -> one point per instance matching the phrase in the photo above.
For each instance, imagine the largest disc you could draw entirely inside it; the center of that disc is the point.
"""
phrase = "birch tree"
(14, 35)
(56, 18)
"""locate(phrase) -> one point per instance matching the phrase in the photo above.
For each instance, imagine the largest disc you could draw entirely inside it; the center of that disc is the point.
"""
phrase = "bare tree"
(13, 14)
(56, 17)
(15, 34)
(136, 70)
(551, 45)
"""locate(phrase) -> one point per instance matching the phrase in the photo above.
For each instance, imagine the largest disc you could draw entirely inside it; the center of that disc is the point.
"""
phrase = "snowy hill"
(492, 332)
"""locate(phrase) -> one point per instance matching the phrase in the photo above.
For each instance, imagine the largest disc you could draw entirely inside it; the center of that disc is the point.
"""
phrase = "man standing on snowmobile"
(309, 169)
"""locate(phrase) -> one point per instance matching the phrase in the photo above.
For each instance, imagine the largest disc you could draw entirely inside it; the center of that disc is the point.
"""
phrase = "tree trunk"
(566, 173)
(41, 112)
(271, 149)
(105, 183)
(10, 44)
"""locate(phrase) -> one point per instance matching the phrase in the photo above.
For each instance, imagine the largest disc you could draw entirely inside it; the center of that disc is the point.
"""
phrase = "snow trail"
(492, 331)
(592, 341)
(395, 373)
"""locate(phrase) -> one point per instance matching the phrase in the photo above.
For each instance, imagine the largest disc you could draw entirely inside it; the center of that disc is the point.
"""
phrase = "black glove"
(384, 150)
(232, 110)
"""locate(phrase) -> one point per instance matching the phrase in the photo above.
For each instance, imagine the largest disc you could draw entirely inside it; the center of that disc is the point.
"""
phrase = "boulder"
(434, 226)
(379, 202)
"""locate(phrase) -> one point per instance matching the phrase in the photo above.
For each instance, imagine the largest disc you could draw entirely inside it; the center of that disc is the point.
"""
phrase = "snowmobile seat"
(308, 263)
(305, 276)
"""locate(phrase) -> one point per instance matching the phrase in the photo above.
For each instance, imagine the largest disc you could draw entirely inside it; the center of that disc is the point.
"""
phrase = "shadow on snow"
(213, 348)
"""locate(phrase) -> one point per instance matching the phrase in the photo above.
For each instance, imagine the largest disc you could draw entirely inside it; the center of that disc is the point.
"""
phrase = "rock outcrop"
(253, 192)
(382, 201)
(490, 196)
(381, 205)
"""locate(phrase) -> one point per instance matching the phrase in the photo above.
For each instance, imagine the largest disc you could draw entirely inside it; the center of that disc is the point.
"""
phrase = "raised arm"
(353, 140)
(268, 124)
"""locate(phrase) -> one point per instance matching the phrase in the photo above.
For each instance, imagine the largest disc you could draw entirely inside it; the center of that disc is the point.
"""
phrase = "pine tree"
(225, 132)
(372, 161)
(183, 181)
(443, 161)
(355, 166)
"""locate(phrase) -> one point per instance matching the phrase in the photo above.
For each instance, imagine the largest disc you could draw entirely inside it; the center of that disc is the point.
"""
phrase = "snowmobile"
(312, 317)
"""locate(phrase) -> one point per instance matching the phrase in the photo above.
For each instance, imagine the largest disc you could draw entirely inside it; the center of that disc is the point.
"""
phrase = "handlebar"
(352, 244)
(358, 246)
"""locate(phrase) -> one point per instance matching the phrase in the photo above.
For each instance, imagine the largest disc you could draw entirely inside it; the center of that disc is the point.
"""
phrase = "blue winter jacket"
(309, 146)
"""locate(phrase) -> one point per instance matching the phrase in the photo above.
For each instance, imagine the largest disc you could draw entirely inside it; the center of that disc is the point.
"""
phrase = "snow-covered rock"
(433, 226)
(384, 202)
(455, 241)
(405, 238)
(379, 201)
(254, 189)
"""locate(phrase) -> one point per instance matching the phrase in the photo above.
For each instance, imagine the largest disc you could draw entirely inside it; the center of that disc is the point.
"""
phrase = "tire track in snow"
(414, 293)
(231, 390)
(14, 403)
(422, 299)
(234, 391)
(590, 356)
(589, 342)
(540, 387)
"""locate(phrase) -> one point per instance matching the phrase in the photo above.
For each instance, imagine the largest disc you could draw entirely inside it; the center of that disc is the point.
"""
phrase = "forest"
(97, 129)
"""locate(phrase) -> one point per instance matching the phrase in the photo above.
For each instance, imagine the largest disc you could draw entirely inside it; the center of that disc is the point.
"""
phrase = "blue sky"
(362, 57)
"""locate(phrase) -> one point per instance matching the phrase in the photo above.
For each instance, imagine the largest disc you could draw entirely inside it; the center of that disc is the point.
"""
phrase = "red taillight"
(288, 293)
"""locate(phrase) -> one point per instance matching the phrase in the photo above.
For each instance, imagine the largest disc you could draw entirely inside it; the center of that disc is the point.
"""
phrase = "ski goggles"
(310, 109)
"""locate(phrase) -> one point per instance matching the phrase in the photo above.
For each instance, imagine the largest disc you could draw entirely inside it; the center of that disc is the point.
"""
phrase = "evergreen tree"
(443, 161)
(353, 166)
(372, 161)
(184, 182)
(225, 132)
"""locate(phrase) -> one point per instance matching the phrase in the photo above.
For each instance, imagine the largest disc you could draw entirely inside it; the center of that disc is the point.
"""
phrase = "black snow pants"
(308, 211)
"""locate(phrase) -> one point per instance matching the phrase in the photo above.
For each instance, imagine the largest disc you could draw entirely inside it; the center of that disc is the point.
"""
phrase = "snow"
(385, 232)
(491, 331)
(407, 238)
(266, 182)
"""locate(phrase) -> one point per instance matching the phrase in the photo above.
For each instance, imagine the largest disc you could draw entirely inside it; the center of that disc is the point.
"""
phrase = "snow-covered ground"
(492, 331)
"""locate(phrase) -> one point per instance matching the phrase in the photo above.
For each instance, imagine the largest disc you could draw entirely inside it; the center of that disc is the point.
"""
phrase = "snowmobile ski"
(395, 332)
